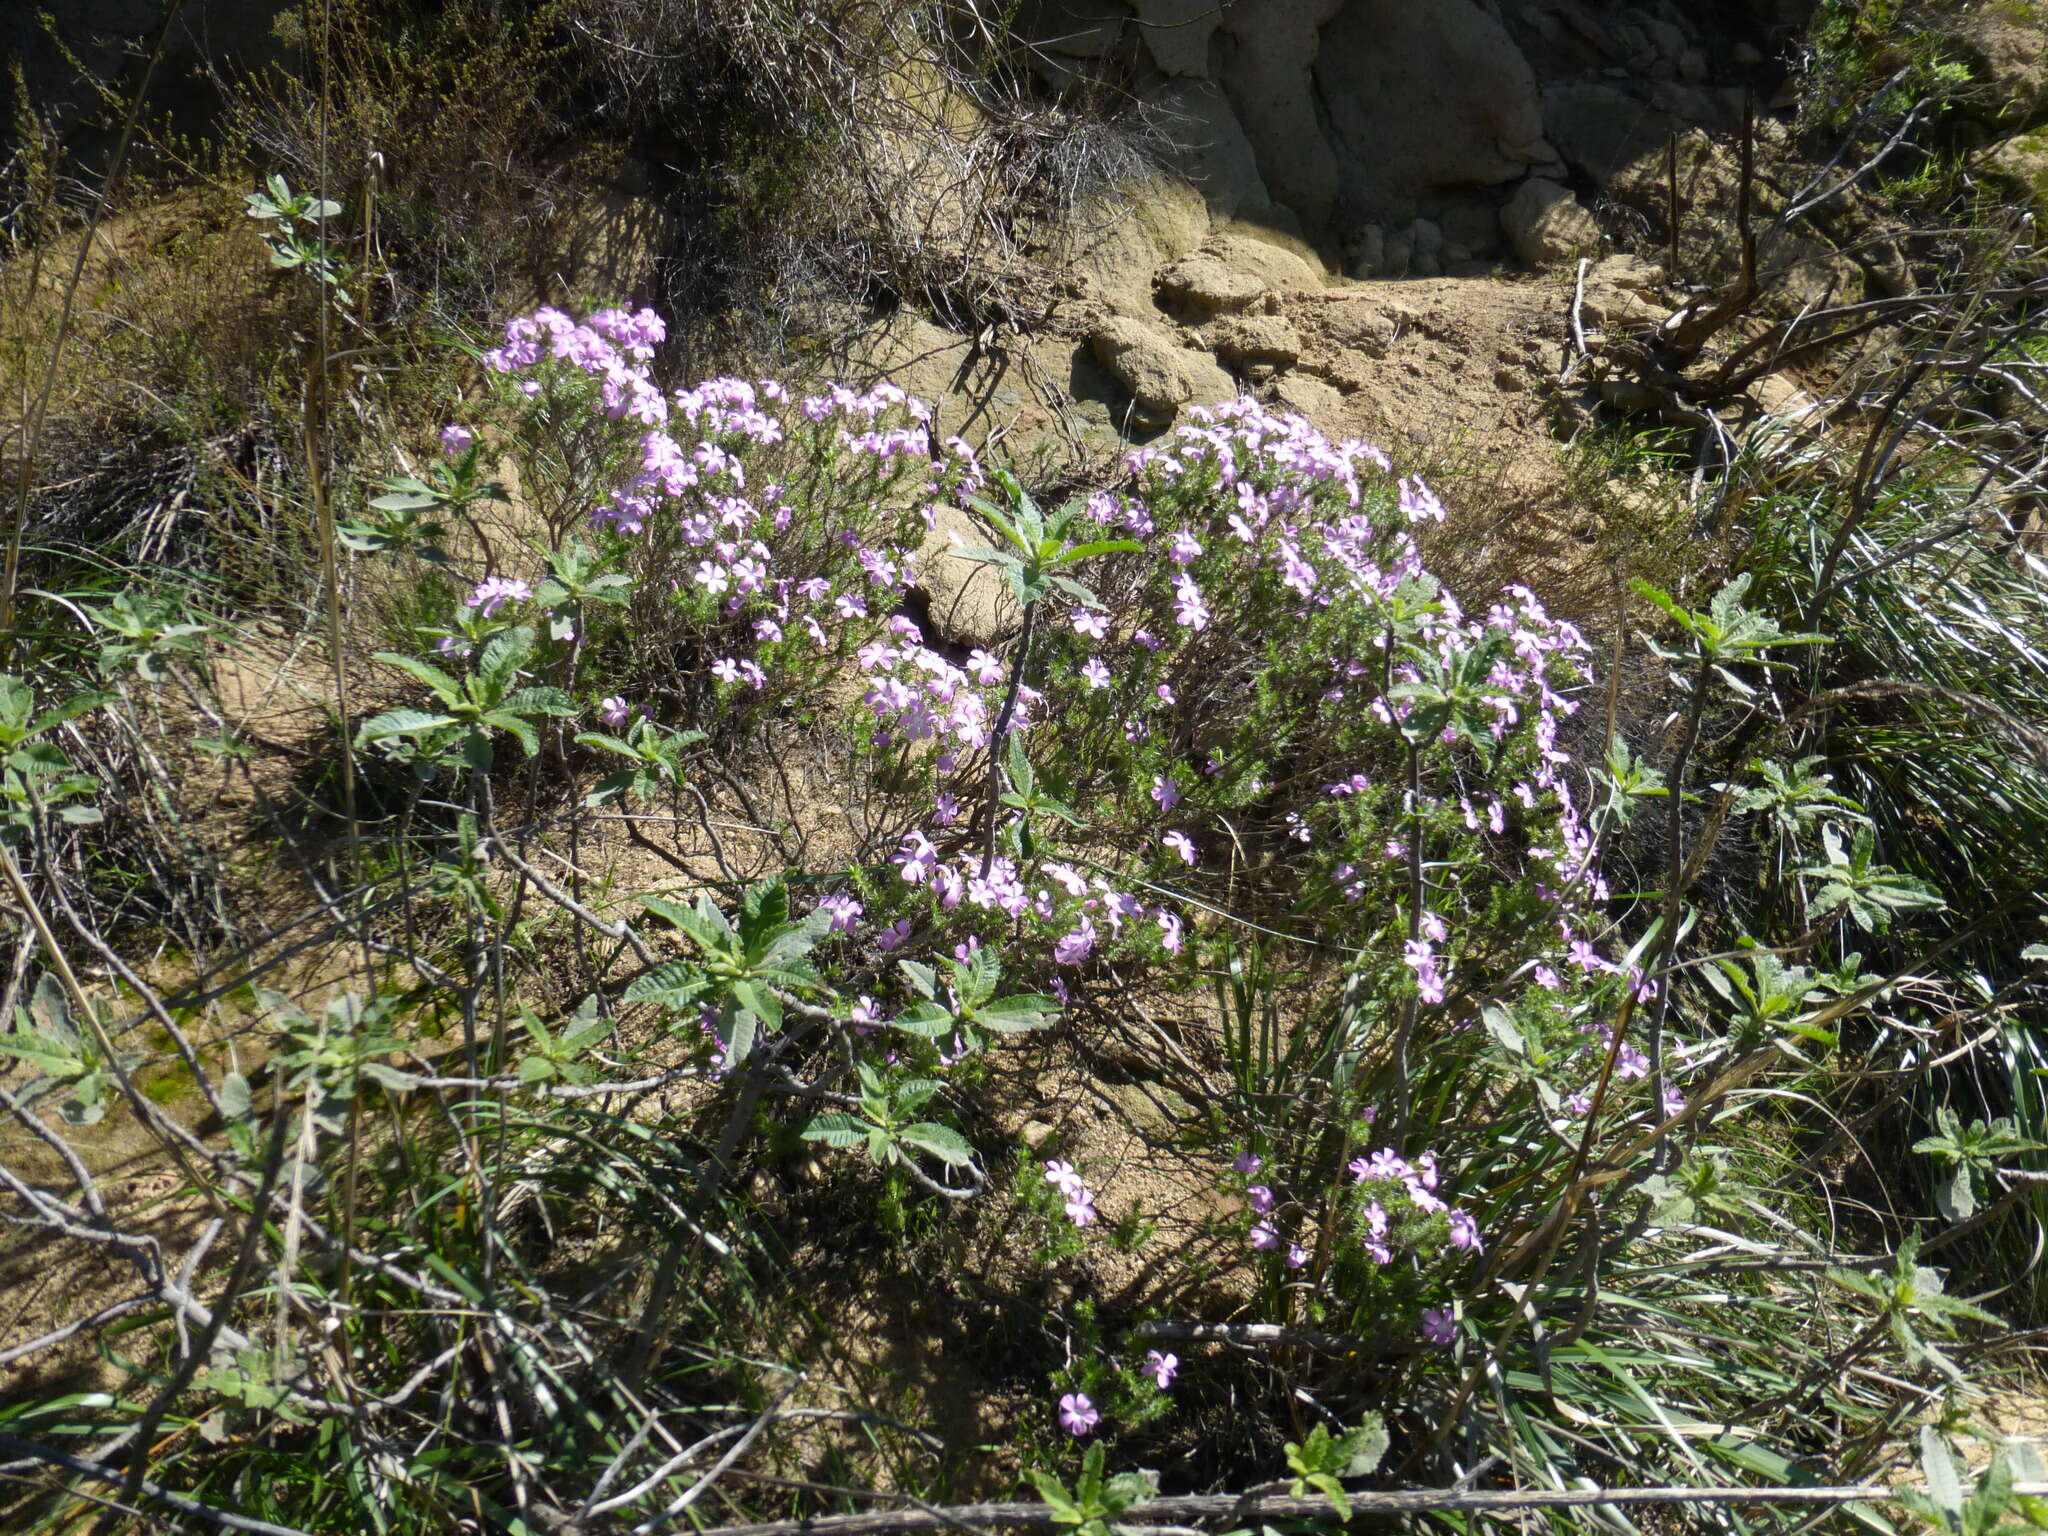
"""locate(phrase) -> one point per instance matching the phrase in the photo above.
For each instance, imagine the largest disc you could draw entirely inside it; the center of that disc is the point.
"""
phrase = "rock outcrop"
(1160, 374)
(1546, 224)
(1426, 99)
(1235, 271)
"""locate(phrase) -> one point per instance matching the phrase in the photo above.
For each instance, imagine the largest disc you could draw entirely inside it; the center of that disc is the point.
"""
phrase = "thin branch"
(1213, 1507)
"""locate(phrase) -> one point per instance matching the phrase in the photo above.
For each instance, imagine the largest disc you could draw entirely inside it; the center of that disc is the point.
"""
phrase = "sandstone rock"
(1234, 271)
(1210, 380)
(1205, 142)
(1311, 397)
(1600, 128)
(1176, 33)
(1669, 40)
(1298, 260)
(1145, 360)
(1544, 224)
(1620, 307)
(1370, 255)
(1256, 339)
(1152, 1108)
(1558, 39)
(1682, 103)
(1077, 30)
(1268, 81)
(1618, 293)
(1631, 272)
(1399, 248)
(1161, 376)
(1425, 95)
(1781, 397)
(1629, 394)
(1206, 282)
(1125, 237)
(1475, 226)
(971, 603)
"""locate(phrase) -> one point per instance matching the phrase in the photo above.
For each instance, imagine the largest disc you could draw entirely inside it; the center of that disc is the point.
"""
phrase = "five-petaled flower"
(843, 910)
(1078, 1415)
(494, 592)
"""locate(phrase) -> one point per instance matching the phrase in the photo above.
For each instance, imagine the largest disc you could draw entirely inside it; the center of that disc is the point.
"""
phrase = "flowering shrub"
(1236, 742)
(1233, 1008)
(1259, 701)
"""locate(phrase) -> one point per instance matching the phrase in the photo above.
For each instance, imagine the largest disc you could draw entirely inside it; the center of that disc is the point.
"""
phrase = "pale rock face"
(1176, 33)
(1546, 224)
(1254, 340)
(1128, 236)
(1423, 96)
(1160, 375)
(1233, 272)
(1206, 143)
(1356, 325)
(1268, 80)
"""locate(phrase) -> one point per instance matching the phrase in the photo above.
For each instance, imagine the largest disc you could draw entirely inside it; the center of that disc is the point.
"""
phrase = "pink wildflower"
(494, 592)
(844, 911)
(1078, 1415)
(1076, 946)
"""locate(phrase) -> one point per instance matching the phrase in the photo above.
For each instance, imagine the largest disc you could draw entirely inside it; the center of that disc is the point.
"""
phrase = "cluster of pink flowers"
(610, 345)
(1239, 501)
(1074, 1190)
(1417, 1181)
(1003, 887)
(694, 486)
(494, 592)
(917, 695)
